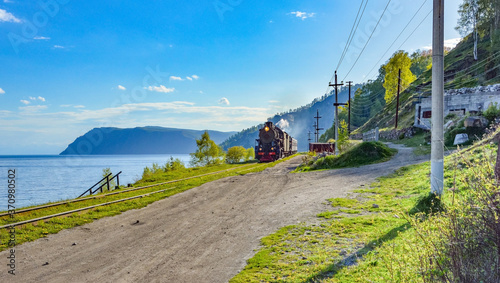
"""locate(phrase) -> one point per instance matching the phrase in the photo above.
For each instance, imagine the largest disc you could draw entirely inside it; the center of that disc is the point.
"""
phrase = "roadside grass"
(418, 142)
(360, 154)
(40, 229)
(397, 236)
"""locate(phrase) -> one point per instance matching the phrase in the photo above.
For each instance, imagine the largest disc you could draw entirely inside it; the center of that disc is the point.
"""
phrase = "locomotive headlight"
(272, 148)
(266, 129)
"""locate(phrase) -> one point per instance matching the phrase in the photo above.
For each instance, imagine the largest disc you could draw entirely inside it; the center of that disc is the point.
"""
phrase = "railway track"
(110, 194)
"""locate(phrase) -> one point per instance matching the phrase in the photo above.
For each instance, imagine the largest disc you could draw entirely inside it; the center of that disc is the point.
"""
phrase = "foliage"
(112, 183)
(343, 136)
(235, 154)
(174, 165)
(208, 153)
(492, 112)
(421, 61)
(399, 61)
(250, 154)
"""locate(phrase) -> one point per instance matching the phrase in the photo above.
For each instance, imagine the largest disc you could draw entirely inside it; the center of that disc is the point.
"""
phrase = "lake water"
(41, 179)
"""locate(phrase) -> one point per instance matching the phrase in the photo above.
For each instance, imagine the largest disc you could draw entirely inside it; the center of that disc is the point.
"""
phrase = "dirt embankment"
(205, 234)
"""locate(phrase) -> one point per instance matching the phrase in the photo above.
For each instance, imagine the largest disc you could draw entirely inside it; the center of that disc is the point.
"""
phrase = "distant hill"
(297, 122)
(141, 140)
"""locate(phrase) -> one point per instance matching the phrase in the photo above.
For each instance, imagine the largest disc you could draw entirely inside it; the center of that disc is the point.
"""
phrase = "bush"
(235, 154)
(173, 165)
(492, 112)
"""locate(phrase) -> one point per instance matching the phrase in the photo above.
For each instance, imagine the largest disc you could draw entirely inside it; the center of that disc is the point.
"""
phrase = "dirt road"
(205, 234)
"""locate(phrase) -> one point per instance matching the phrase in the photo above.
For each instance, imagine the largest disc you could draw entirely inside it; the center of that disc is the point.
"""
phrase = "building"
(460, 101)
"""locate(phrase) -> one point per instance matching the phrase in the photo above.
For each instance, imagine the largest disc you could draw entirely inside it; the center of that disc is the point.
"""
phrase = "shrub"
(235, 154)
(173, 165)
(492, 112)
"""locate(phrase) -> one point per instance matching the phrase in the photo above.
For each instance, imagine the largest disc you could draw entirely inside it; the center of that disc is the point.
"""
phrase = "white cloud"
(7, 1)
(451, 43)
(41, 98)
(120, 87)
(2, 91)
(189, 78)
(79, 106)
(41, 38)
(224, 101)
(32, 109)
(59, 47)
(174, 78)
(303, 15)
(32, 98)
(195, 77)
(160, 88)
(8, 17)
(65, 105)
(25, 102)
(273, 101)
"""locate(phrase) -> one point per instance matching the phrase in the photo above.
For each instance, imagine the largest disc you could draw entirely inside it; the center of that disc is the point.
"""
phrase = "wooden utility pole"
(336, 104)
(349, 103)
(437, 120)
(317, 125)
(397, 99)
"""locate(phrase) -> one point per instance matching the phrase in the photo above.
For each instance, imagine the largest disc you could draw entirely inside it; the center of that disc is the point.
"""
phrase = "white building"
(460, 101)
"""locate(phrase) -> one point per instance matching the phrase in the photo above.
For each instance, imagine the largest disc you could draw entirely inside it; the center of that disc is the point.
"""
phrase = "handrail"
(106, 183)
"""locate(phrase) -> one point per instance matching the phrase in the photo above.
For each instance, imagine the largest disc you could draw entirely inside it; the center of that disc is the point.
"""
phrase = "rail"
(109, 194)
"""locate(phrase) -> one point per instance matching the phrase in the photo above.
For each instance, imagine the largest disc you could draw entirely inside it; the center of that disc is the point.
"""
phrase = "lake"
(48, 178)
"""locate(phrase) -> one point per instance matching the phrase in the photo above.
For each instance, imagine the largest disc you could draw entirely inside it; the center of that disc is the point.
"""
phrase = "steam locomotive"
(273, 144)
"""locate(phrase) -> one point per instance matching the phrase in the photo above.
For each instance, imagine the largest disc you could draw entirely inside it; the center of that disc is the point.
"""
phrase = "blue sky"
(69, 66)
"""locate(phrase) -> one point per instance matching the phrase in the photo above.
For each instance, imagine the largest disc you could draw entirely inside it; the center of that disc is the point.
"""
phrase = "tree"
(343, 135)
(235, 154)
(421, 61)
(208, 152)
(112, 184)
(250, 154)
(470, 15)
(400, 60)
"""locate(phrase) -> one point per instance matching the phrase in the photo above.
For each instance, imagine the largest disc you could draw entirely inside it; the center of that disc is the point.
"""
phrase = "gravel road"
(205, 234)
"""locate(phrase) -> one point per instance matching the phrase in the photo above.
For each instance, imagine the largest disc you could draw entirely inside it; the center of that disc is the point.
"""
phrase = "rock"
(460, 139)
(375, 205)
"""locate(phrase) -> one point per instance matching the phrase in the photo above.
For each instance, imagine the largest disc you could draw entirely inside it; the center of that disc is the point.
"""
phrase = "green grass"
(382, 245)
(418, 142)
(31, 232)
(361, 154)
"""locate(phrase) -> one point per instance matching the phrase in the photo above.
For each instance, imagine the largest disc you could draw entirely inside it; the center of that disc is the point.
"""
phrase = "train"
(273, 144)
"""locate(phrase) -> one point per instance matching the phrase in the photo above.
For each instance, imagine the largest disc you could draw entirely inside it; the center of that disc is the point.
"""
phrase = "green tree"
(421, 61)
(173, 165)
(208, 152)
(400, 60)
(343, 135)
(112, 184)
(235, 154)
(250, 154)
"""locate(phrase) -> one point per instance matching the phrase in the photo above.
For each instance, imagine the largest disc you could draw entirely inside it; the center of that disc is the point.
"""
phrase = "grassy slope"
(368, 237)
(460, 71)
(361, 154)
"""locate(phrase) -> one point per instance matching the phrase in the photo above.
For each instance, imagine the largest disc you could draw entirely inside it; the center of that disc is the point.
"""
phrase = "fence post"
(107, 182)
(377, 135)
(117, 181)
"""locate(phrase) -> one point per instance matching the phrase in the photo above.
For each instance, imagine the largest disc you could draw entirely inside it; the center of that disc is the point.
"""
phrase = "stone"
(460, 139)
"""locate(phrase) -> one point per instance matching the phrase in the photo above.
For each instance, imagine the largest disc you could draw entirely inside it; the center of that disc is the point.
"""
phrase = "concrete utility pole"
(336, 104)
(349, 117)
(397, 99)
(437, 136)
(317, 125)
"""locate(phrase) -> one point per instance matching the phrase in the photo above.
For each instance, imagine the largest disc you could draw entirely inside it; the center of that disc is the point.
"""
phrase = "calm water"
(40, 179)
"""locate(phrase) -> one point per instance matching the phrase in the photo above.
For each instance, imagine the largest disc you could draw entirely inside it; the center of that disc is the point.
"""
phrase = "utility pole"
(349, 103)
(336, 104)
(437, 137)
(317, 125)
(397, 99)
(309, 137)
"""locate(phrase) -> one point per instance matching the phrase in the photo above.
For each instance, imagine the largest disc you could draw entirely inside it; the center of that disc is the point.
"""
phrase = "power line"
(351, 34)
(414, 15)
(364, 47)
